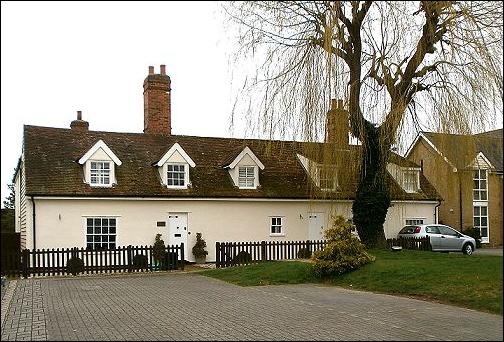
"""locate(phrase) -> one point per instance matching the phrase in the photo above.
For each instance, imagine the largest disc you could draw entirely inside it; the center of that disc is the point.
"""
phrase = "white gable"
(176, 154)
(98, 151)
(481, 162)
(246, 153)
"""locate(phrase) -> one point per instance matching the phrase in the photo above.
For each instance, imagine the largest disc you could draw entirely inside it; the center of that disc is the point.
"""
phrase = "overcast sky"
(60, 57)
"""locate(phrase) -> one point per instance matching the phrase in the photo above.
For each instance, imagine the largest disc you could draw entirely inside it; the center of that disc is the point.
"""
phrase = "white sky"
(60, 57)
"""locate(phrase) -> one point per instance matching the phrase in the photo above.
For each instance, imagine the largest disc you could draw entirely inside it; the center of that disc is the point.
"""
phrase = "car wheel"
(468, 249)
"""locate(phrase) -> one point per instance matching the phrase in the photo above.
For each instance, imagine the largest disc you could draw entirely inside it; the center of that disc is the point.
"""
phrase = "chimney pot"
(79, 115)
(163, 69)
(340, 104)
(334, 103)
(151, 70)
(157, 102)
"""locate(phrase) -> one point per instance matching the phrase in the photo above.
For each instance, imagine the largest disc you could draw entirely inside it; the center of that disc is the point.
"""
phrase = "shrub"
(343, 252)
(304, 253)
(242, 257)
(158, 249)
(475, 234)
(75, 265)
(140, 261)
(199, 247)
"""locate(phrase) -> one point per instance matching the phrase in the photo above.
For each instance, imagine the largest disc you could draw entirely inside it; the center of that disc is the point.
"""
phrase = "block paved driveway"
(187, 306)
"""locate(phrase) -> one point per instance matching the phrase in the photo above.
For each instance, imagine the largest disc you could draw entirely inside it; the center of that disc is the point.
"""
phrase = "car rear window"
(408, 230)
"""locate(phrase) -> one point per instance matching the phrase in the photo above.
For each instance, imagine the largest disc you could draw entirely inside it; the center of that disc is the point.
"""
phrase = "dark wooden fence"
(419, 244)
(241, 253)
(10, 251)
(46, 262)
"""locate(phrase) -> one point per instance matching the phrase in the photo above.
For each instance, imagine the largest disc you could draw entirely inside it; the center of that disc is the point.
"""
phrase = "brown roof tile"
(51, 156)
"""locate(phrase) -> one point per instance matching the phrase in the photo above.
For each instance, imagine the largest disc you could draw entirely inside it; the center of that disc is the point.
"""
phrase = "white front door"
(316, 226)
(177, 230)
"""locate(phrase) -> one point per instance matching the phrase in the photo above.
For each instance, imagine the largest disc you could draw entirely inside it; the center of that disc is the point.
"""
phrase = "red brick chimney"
(79, 124)
(157, 102)
(337, 126)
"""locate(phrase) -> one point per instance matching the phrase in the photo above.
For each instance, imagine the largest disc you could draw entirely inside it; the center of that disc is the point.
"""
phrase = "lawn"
(473, 282)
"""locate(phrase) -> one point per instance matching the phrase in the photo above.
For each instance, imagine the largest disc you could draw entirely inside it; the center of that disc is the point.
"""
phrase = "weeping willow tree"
(396, 65)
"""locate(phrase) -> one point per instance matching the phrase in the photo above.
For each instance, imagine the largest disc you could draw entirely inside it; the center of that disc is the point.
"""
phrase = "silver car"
(442, 238)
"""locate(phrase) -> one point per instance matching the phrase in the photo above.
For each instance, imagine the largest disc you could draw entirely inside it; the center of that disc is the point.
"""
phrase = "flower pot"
(201, 260)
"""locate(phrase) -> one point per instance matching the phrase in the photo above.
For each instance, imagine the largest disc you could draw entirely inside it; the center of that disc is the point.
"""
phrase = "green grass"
(473, 282)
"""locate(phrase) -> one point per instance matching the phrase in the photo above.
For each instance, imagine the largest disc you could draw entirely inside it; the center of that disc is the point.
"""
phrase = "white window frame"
(110, 175)
(412, 185)
(186, 175)
(480, 205)
(333, 170)
(422, 219)
(479, 190)
(101, 234)
(277, 225)
(247, 177)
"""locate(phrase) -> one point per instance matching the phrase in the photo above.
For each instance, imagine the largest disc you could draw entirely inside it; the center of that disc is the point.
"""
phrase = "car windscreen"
(408, 230)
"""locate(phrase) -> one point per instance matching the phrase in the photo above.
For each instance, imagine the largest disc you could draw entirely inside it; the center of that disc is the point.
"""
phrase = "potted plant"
(158, 251)
(198, 250)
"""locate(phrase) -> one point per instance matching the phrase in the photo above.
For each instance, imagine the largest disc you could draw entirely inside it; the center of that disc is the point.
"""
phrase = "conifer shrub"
(140, 261)
(75, 265)
(304, 253)
(243, 257)
(343, 252)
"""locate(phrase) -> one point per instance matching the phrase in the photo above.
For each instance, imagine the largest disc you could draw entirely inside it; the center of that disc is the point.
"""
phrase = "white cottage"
(82, 188)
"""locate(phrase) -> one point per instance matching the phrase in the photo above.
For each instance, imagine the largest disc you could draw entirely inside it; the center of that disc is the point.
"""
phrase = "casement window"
(480, 218)
(101, 232)
(276, 226)
(480, 185)
(414, 222)
(100, 173)
(246, 176)
(176, 175)
(328, 179)
(410, 181)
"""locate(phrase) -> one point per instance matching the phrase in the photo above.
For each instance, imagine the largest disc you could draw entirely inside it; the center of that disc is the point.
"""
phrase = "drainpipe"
(460, 201)
(436, 212)
(33, 218)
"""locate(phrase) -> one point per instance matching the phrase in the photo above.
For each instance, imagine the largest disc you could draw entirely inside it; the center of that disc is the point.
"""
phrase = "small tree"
(199, 247)
(343, 252)
(158, 249)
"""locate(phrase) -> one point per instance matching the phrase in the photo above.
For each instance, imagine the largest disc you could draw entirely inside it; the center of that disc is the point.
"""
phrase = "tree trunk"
(373, 198)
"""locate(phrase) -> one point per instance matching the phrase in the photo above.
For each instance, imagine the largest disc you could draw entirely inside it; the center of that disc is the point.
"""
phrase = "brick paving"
(185, 306)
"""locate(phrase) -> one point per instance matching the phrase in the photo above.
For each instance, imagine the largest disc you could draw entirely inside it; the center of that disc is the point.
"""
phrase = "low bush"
(140, 261)
(343, 252)
(475, 234)
(75, 265)
(242, 257)
(304, 253)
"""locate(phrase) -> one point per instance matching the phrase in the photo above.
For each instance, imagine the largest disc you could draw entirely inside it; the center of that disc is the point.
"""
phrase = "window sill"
(277, 234)
(101, 185)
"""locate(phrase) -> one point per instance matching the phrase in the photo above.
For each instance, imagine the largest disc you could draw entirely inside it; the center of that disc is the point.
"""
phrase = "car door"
(435, 237)
(450, 239)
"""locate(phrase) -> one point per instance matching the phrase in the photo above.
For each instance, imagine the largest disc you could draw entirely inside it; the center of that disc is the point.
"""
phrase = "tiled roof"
(51, 156)
(462, 149)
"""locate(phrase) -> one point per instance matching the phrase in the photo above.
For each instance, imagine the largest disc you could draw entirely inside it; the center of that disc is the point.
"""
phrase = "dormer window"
(99, 165)
(100, 173)
(410, 181)
(176, 175)
(407, 177)
(244, 169)
(246, 177)
(174, 168)
(327, 177)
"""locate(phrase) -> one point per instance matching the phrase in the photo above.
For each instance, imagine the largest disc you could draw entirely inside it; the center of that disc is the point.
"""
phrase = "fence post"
(217, 254)
(182, 256)
(130, 257)
(264, 257)
(26, 260)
